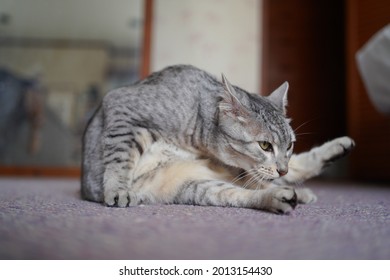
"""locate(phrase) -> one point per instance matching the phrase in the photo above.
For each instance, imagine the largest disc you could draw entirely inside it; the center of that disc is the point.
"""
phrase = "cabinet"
(370, 129)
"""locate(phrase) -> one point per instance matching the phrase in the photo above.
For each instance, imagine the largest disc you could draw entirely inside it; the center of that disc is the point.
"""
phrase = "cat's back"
(172, 84)
(181, 74)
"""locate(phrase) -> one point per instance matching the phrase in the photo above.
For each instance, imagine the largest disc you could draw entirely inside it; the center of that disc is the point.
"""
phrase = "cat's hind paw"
(337, 148)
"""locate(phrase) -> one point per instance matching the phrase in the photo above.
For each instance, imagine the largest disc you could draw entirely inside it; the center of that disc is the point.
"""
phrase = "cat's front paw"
(337, 148)
(305, 196)
(281, 200)
(117, 198)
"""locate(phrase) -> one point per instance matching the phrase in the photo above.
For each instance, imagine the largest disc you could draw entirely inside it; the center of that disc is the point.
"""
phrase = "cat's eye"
(266, 146)
(290, 146)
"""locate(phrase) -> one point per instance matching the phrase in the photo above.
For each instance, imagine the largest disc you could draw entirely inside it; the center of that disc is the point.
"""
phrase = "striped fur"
(182, 136)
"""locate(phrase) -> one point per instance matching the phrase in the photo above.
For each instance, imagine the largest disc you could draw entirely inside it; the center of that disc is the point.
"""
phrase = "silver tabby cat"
(181, 136)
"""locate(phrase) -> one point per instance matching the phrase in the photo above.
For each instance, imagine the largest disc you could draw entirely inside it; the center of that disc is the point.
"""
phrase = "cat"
(180, 136)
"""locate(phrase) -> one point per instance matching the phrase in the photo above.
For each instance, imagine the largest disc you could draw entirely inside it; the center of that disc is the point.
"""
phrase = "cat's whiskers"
(249, 182)
(254, 181)
(240, 177)
(300, 126)
(243, 175)
(257, 178)
(260, 179)
(303, 124)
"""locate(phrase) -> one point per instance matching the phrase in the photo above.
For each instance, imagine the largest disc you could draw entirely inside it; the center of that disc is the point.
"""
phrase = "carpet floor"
(46, 219)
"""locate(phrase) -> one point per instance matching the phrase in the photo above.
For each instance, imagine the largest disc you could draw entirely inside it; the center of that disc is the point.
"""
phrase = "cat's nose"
(282, 172)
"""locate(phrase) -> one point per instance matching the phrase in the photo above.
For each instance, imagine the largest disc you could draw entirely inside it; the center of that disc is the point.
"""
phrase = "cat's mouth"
(268, 179)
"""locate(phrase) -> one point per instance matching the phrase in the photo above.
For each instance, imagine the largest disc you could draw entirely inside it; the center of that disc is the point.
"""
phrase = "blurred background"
(59, 58)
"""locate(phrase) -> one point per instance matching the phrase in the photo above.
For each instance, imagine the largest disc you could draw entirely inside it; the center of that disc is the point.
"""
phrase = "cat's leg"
(310, 164)
(220, 193)
(304, 195)
(194, 182)
(124, 144)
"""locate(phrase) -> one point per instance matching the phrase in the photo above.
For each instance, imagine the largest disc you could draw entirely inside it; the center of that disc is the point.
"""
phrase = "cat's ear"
(230, 104)
(279, 97)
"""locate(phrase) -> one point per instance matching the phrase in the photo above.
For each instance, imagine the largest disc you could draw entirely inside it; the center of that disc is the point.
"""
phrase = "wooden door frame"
(75, 171)
(264, 55)
(147, 39)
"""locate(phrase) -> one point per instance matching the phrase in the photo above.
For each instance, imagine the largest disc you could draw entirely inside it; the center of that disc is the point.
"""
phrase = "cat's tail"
(92, 169)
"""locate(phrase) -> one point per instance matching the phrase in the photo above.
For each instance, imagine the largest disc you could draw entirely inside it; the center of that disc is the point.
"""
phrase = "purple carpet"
(46, 219)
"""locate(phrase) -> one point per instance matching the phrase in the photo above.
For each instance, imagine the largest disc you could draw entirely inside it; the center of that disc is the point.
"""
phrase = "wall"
(217, 36)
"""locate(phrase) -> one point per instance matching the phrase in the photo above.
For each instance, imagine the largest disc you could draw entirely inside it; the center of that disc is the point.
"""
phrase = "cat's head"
(254, 131)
